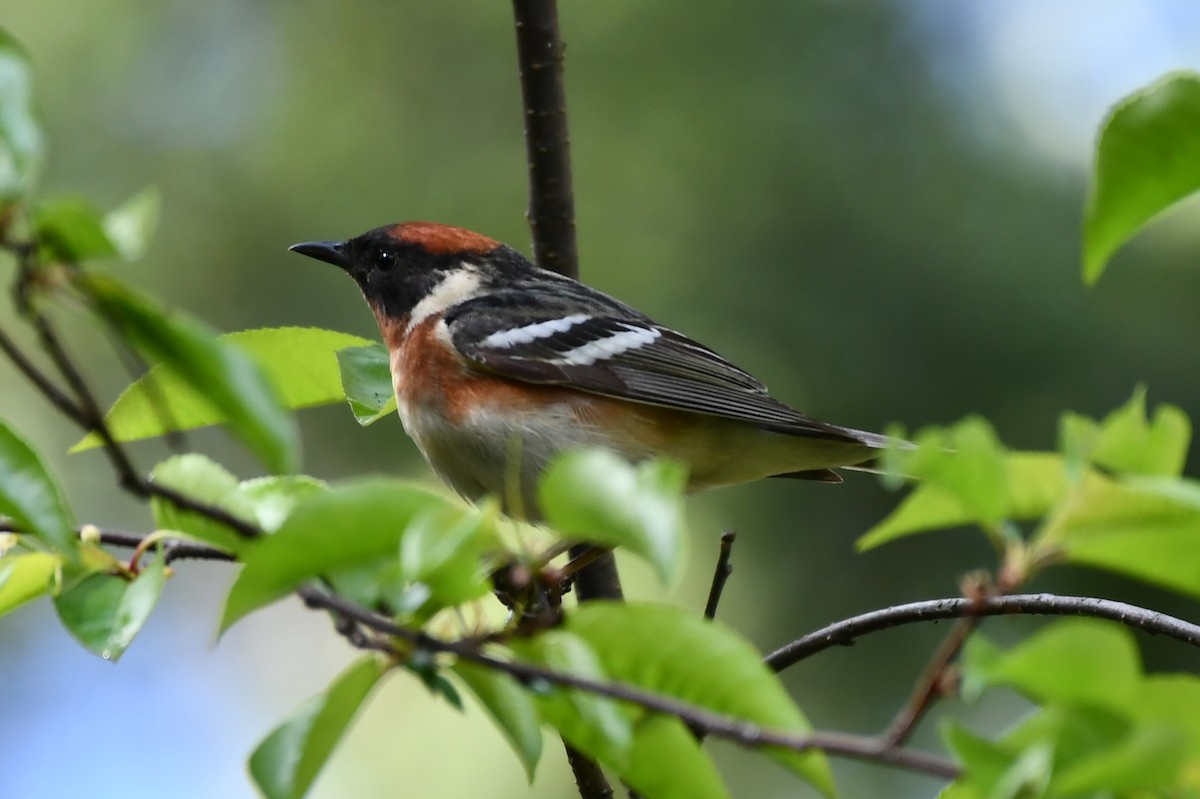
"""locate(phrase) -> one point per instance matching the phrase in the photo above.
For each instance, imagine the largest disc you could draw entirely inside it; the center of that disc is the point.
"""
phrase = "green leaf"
(378, 585)
(287, 762)
(266, 501)
(966, 461)
(1127, 442)
(1077, 750)
(104, 612)
(1034, 483)
(425, 667)
(1027, 777)
(298, 361)
(1148, 158)
(510, 706)
(595, 725)
(685, 656)
(980, 658)
(654, 754)
(1148, 758)
(367, 381)
(1171, 699)
(1081, 662)
(345, 528)
(22, 147)
(275, 497)
(24, 577)
(984, 763)
(71, 229)
(1072, 732)
(1148, 528)
(596, 496)
(1077, 437)
(131, 225)
(231, 381)
(961, 790)
(29, 494)
(442, 549)
(442, 563)
(667, 762)
(204, 480)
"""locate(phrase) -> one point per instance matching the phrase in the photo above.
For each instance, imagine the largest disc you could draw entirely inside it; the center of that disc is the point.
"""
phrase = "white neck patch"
(458, 286)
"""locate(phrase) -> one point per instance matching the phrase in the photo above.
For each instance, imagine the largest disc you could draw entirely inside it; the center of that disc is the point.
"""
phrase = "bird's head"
(399, 267)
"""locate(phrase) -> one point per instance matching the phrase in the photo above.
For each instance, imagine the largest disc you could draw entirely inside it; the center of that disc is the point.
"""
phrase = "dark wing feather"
(664, 368)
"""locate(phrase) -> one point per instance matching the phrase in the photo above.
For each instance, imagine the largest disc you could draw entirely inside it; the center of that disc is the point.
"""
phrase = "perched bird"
(493, 358)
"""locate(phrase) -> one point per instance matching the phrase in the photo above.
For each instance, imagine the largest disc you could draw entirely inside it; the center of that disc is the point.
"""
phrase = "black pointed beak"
(331, 252)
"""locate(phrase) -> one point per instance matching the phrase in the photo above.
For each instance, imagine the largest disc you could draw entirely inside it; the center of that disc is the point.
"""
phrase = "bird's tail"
(869, 463)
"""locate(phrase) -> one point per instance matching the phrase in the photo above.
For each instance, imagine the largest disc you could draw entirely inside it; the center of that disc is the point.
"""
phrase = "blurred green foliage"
(793, 183)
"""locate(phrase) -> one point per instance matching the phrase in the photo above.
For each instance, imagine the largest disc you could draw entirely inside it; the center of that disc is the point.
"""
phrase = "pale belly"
(503, 455)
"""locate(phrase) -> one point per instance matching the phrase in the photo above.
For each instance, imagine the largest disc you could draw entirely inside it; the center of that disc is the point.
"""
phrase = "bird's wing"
(620, 353)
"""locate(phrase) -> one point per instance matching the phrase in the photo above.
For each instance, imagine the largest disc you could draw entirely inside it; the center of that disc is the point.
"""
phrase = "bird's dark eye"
(385, 261)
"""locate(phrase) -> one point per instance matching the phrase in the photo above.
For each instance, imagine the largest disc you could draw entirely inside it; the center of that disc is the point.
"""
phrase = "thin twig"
(175, 549)
(551, 211)
(92, 419)
(34, 375)
(845, 632)
(85, 410)
(935, 681)
(581, 557)
(720, 574)
(932, 682)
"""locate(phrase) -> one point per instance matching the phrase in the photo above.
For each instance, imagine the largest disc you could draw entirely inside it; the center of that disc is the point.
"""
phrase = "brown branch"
(34, 375)
(587, 555)
(716, 724)
(600, 579)
(870, 748)
(937, 678)
(932, 684)
(175, 549)
(551, 211)
(845, 632)
(551, 215)
(85, 411)
(589, 776)
(720, 574)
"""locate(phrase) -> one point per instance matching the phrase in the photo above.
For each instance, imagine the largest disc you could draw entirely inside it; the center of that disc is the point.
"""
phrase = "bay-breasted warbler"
(487, 349)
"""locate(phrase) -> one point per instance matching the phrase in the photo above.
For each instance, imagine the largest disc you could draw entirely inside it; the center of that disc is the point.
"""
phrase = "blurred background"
(874, 206)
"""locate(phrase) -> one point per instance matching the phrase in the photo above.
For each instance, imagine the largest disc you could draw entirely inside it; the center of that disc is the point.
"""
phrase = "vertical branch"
(551, 211)
(551, 201)
(551, 216)
(720, 574)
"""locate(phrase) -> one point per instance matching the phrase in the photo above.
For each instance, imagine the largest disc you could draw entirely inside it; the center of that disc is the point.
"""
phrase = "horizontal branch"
(844, 633)
(716, 724)
(175, 549)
